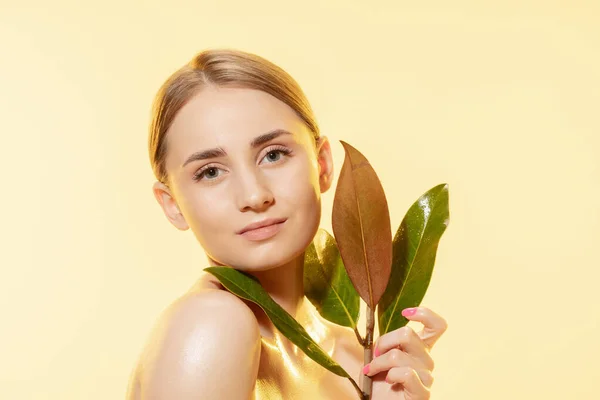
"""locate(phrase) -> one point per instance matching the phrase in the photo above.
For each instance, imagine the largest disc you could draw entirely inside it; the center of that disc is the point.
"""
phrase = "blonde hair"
(222, 68)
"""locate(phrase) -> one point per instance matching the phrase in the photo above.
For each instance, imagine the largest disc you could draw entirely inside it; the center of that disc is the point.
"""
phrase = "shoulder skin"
(206, 345)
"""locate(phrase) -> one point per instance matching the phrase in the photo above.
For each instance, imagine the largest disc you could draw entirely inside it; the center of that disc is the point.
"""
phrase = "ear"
(325, 161)
(165, 198)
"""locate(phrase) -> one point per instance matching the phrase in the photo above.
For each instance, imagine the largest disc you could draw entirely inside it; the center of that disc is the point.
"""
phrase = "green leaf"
(414, 250)
(326, 282)
(248, 287)
(361, 225)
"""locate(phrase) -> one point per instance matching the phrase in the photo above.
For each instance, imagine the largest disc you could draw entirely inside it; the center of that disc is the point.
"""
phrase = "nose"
(254, 193)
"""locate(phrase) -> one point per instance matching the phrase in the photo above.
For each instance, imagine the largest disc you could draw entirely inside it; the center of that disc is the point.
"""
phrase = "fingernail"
(407, 312)
(376, 352)
(366, 369)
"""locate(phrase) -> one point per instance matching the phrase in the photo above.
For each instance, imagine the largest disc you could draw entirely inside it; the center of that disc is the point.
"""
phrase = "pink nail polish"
(376, 352)
(407, 312)
(366, 369)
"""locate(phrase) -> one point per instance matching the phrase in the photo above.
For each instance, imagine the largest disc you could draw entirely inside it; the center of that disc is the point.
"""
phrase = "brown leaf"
(361, 226)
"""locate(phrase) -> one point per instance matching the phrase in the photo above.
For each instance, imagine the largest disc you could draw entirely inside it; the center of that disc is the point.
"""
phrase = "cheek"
(302, 194)
(206, 213)
(301, 181)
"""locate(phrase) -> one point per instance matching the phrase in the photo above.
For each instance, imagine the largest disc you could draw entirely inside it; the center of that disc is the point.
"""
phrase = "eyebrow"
(219, 152)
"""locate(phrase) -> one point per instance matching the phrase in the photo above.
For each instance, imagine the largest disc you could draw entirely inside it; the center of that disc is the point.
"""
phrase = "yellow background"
(499, 99)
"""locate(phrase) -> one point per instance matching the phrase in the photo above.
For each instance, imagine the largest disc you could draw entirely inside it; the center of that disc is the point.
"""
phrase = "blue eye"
(275, 155)
(208, 173)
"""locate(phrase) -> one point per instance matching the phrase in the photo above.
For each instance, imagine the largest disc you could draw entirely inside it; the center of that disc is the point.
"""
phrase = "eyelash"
(280, 149)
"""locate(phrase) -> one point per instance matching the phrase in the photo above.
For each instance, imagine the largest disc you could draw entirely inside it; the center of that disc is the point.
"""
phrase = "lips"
(261, 224)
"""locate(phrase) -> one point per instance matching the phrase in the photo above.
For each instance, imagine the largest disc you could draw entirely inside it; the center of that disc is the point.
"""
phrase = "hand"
(402, 367)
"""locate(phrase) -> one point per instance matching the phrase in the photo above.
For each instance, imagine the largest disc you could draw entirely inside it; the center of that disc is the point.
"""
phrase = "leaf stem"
(360, 392)
(360, 338)
(368, 382)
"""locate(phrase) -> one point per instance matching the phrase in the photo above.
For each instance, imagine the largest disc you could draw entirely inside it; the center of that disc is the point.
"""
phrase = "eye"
(209, 173)
(275, 155)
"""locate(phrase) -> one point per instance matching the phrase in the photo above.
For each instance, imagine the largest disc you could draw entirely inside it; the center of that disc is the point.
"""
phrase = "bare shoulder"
(206, 342)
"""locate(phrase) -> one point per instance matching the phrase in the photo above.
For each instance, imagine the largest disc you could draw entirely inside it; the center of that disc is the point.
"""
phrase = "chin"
(270, 256)
(248, 256)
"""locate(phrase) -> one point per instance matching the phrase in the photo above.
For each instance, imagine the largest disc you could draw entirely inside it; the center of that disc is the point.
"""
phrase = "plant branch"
(360, 339)
(360, 392)
(368, 382)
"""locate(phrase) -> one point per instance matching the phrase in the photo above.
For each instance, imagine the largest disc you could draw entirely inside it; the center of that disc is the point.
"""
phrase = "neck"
(285, 285)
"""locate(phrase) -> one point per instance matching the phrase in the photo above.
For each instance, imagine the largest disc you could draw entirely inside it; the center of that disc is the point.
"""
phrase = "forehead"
(227, 116)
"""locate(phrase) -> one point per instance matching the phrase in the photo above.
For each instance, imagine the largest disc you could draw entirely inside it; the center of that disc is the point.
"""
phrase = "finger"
(396, 358)
(390, 359)
(408, 340)
(433, 324)
(414, 389)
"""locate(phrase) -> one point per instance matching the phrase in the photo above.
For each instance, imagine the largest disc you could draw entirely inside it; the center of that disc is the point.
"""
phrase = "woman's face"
(238, 157)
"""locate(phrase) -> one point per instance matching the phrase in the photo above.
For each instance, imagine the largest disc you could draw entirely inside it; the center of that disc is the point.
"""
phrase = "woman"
(239, 160)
